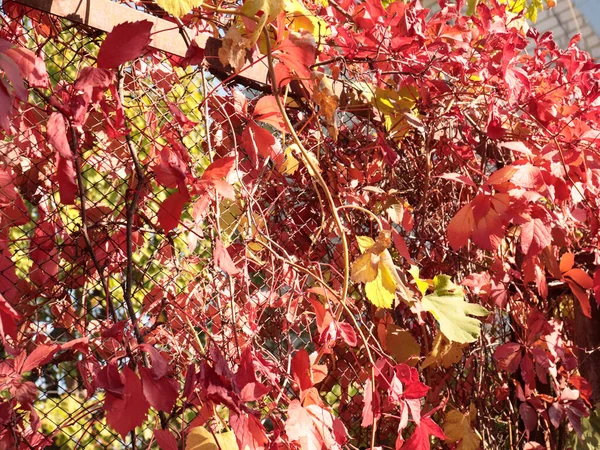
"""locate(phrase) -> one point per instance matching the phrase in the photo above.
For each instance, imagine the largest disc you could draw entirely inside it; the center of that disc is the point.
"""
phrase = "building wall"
(566, 19)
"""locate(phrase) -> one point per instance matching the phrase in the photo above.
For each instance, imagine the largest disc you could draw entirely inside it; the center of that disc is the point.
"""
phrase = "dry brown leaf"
(327, 100)
(233, 49)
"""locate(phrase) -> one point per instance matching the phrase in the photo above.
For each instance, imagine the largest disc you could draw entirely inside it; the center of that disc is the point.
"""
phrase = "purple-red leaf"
(125, 42)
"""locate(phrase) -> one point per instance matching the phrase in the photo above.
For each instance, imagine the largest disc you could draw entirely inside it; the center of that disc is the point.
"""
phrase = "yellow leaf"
(444, 353)
(178, 8)
(365, 268)
(290, 163)
(422, 285)
(300, 18)
(382, 290)
(401, 344)
(457, 426)
(364, 243)
(200, 438)
(270, 9)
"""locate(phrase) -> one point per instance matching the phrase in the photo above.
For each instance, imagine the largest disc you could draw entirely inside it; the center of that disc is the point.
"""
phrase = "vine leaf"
(447, 304)
(376, 269)
(165, 440)
(200, 438)
(444, 353)
(457, 427)
(178, 8)
(125, 412)
(270, 9)
(113, 53)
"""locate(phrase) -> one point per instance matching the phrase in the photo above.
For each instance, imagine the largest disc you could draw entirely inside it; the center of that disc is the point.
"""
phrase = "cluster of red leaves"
(484, 147)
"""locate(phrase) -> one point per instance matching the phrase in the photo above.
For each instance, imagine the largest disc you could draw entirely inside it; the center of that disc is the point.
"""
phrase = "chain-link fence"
(96, 260)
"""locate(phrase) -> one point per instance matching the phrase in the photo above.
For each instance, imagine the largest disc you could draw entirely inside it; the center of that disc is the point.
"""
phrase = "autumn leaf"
(420, 439)
(199, 438)
(165, 440)
(125, 412)
(113, 53)
(444, 353)
(270, 10)
(326, 100)
(447, 304)
(400, 343)
(458, 428)
(178, 8)
(233, 49)
(375, 268)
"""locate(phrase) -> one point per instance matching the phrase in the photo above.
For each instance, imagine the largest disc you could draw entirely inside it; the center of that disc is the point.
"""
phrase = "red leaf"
(66, 177)
(32, 67)
(40, 356)
(249, 432)
(301, 370)
(91, 78)
(420, 439)
(597, 286)
(535, 236)
(458, 177)
(508, 356)
(266, 110)
(160, 366)
(161, 393)
(348, 334)
(8, 319)
(461, 227)
(219, 169)
(370, 405)
(223, 260)
(580, 277)
(170, 210)
(528, 176)
(582, 296)
(109, 379)
(193, 56)
(125, 413)
(165, 440)
(528, 415)
(401, 246)
(185, 123)
(57, 135)
(125, 42)
(566, 262)
(299, 427)
(258, 141)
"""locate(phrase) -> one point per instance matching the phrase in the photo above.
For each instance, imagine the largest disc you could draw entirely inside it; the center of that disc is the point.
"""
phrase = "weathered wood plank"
(105, 15)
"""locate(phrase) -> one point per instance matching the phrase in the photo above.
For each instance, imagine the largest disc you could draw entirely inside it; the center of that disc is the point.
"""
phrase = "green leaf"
(179, 8)
(448, 306)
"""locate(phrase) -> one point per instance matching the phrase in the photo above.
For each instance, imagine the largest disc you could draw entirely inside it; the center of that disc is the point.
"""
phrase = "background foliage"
(392, 243)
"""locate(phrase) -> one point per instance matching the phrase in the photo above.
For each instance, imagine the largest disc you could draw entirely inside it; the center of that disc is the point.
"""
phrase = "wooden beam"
(105, 15)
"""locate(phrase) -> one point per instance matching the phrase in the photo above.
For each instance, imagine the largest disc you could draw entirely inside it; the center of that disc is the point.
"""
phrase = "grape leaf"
(457, 427)
(113, 53)
(125, 413)
(375, 267)
(448, 306)
(270, 10)
(444, 353)
(199, 438)
(178, 8)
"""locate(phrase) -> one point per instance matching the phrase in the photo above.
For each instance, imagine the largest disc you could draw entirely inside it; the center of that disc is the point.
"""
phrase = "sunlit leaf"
(447, 304)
